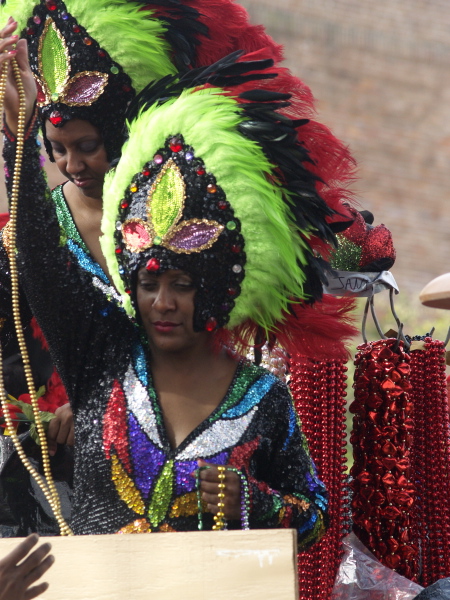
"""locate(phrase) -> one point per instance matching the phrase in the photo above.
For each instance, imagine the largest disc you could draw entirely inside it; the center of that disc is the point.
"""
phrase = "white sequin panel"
(222, 434)
(139, 404)
(108, 290)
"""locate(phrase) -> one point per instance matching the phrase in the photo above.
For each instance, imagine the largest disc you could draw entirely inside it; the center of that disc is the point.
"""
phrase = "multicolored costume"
(298, 233)
(126, 475)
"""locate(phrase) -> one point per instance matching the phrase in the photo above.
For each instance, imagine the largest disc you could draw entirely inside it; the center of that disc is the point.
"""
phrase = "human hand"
(16, 579)
(60, 429)
(20, 53)
(209, 486)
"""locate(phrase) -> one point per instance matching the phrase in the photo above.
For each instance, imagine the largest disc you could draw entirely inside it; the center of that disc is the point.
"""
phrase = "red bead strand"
(431, 459)
(318, 389)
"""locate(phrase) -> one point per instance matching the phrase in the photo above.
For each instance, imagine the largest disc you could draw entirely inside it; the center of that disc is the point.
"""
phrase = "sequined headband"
(175, 216)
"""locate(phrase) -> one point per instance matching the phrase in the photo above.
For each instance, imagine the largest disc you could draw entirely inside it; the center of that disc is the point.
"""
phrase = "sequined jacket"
(127, 476)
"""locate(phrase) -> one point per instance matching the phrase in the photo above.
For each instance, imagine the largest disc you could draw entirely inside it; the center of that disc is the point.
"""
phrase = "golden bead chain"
(47, 486)
(219, 518)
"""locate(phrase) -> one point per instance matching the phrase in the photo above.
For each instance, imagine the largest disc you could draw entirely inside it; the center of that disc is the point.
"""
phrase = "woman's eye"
(57, 150)
(88, 146)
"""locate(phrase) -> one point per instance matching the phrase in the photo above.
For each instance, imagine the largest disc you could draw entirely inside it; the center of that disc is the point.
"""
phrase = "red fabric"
(4, 218)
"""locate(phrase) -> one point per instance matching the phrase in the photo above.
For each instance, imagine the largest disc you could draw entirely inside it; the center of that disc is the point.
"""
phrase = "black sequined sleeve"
(60, 293)
(283, 484)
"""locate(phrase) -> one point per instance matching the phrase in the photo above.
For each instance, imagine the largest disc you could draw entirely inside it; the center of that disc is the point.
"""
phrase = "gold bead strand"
(219, 518)
(49, 490)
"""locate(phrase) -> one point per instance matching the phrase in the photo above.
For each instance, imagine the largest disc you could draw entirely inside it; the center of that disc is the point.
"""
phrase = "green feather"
(131, 36)
(275, 253)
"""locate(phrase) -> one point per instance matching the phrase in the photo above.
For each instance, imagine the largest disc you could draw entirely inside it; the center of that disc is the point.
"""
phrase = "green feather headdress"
(215, 127)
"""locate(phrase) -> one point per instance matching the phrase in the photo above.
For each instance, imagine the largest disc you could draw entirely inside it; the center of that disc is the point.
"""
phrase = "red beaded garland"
(318, 389)
(384, 492)
(431, 459)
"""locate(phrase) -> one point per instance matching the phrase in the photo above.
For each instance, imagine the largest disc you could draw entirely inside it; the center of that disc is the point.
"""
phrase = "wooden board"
(222, 565)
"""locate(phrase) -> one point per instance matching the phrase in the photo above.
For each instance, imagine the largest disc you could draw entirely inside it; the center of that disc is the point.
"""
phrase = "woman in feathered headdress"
(210, 233)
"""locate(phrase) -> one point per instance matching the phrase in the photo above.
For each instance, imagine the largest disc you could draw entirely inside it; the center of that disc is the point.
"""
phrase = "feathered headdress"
(214, 181)
(89, 60)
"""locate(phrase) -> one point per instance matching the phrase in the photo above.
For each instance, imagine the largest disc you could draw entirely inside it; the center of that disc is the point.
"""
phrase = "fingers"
(9, 28)
(42, 567)
(21, 551)
(35, 559)
(61, 428)
(22, 56)
(35, 591)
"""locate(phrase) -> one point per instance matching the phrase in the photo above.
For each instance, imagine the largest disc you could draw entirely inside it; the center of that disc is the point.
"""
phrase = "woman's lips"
(165, 326)
(82, 182)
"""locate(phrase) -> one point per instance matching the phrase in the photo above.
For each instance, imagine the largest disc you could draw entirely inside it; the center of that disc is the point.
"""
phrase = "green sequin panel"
(65, 218)
(162, 495)
(167, 199)
(347, 256)
(54, 60)
(245, 378)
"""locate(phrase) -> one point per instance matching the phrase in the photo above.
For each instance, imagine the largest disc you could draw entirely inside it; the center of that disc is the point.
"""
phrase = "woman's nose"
(164, 299)
(74, 163)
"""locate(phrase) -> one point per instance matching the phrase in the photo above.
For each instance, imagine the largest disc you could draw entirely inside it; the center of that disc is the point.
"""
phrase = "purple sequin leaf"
(85, 88)
(136, 235)
(194, 235)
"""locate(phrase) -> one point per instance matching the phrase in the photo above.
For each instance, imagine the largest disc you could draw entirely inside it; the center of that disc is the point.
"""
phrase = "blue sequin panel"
(86, 262)
(254, 395)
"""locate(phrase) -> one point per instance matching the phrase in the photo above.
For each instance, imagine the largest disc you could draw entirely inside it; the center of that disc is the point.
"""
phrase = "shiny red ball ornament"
(222, 205)
(30, 31)
(56, 118)
(118, 250)
(211, 324)
(236, 249)
(146, 173)
(101, 53)
(51, 4)
(153, 265)
(231, 291)
(124, 205)
(201, 171)
(76, 29)
(175, 145)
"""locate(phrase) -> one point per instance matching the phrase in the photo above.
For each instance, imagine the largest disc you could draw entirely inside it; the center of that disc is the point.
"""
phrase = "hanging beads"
(319, 394)
(219, 518)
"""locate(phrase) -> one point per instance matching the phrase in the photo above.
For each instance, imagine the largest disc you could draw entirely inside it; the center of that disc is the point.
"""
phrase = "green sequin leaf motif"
(54, 63)
(162, 495)
(166, 199)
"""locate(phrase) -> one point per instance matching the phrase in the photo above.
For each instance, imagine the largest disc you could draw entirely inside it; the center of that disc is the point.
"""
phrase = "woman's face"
(166, 306)
(80, 155)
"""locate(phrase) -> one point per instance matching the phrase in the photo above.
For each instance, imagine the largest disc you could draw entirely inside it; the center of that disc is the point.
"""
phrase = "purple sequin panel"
(183, 469)
(147, 459)
(85, 89)
(184, 480)
(194, 235)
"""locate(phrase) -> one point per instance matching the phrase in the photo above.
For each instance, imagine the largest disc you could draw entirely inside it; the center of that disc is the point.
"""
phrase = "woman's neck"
(80, 202)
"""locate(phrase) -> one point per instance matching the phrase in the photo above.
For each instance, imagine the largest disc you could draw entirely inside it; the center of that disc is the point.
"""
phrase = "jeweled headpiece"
(89, 60)
(216, 185)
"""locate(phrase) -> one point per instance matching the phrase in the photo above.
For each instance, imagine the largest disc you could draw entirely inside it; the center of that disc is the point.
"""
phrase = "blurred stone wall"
(379, 71)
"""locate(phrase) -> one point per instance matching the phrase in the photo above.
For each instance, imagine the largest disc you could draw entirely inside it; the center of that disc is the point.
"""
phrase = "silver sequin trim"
(221, 435)
(139, 404)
